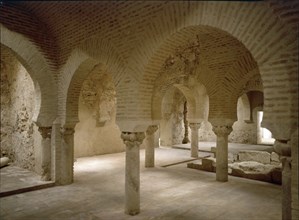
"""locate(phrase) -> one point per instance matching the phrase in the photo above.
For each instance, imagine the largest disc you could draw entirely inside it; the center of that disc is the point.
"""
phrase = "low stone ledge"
(207, 164)
(247, 169)
(258, 156)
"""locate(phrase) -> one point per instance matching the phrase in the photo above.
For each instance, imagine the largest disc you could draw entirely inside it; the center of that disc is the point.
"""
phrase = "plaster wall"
(97, 132)
(19, 134)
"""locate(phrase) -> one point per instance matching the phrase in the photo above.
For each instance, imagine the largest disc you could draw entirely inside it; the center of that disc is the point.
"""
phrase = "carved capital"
(283, 148)
(194, 126)
(132, 139)
(222, 130)
(151, 129)
(67, 131)
(45, 132)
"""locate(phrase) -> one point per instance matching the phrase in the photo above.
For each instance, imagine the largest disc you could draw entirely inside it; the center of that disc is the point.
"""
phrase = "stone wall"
(172, 123)
(172, 130)
(243, 132)
(18, 132)
(97, 133)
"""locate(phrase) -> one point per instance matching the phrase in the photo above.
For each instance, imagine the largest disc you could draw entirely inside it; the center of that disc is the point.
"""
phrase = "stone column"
(283, 148)
(150, 146)
(67, 155)
(222, 133)
(46, 152)
(194, 139)
(132, 140)
(186, 138)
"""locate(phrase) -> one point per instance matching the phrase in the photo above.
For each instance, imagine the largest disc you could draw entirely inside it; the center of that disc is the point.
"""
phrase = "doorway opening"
(264, 136)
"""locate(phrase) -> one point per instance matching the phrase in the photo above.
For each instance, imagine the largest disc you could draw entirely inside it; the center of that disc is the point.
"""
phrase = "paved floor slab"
(15, 180)
(174, 192)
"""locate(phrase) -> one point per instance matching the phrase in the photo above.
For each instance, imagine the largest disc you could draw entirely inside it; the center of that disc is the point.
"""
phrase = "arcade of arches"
(80, 79)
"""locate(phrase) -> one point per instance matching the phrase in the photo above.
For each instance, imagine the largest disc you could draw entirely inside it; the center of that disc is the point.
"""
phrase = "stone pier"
(194, 139)
(283, 148)
(45, 152)
(150, 146)
(67, 155)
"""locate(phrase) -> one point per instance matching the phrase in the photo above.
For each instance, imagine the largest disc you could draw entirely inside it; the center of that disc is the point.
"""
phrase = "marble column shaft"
(150, 146)
(132, 140)
(45, 152)
(67, 155)
(194, 139)
(283, 148)
(222, 133)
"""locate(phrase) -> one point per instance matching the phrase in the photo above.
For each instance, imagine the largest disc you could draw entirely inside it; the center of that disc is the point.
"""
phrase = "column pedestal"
(46, 152)
(150, 146)
(222, 133)
(132, 180)
(194, 139)
(67, 155)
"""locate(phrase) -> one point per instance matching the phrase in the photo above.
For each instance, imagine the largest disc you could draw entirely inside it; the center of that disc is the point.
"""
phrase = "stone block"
(258, 156)
(231, 158)
(256, 171)
(275, 157)
(276, 175)
(208, 164)
(213, 150)
(194, 166)
(4, 161)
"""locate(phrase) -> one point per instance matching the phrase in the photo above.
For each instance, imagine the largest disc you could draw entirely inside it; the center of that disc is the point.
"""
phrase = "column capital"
(132, 139)
(194, 126)
(151, 129)
(222, 130)
(283, 148)
(45, 132)
(67, 131)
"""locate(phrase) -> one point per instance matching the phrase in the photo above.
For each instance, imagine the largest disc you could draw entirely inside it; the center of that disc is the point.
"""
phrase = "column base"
(132, 212)
(149, 165)
(221, 179)
(194, 155)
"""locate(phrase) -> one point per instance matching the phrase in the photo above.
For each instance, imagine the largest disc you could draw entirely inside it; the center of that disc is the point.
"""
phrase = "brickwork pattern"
(138, 31)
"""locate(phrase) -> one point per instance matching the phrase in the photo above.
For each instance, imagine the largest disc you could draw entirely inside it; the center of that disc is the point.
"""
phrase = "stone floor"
(167, 193)
(232, 147)
(15, 180)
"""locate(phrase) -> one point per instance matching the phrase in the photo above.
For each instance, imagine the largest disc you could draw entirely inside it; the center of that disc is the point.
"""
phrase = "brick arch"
(93, 51)
(31, 58)
(188, 94)
(195, 97)
(268, 37)
(101, 49)
(75, 71)
(255, 25)
(104, 51)
(223, 98)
